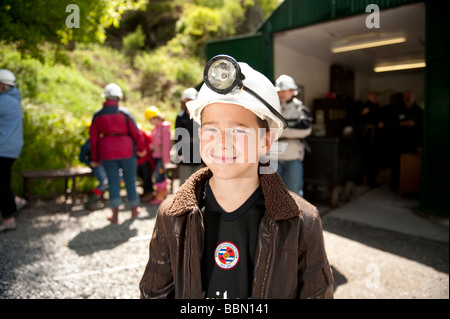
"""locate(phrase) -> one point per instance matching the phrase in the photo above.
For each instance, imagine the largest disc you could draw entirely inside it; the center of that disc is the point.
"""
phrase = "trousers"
(128, 167)
(291, 173)
(7, 203)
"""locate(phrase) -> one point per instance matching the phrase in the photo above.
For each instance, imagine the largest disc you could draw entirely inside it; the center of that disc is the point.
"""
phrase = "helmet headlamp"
(223, 74)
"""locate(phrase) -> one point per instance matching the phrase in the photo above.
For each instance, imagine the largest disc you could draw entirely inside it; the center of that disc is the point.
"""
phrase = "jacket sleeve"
(136, 134)
(315, 275)
(93, 138)
(85, 156)
(301, 126)
(157, 281)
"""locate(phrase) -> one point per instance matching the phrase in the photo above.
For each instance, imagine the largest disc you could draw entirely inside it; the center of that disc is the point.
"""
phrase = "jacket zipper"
(268, 268)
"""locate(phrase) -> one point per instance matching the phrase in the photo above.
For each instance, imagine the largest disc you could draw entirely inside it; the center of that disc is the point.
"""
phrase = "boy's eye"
(238, 131)
(210, 129)
(208, 132)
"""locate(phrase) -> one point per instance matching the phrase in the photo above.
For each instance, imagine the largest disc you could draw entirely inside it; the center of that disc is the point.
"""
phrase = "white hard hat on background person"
(285, 82)
(113, 90)
(255, 81)
(7, 77)
(189, 94)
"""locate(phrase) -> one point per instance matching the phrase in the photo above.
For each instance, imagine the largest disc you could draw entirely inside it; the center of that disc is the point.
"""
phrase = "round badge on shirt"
(226, 255)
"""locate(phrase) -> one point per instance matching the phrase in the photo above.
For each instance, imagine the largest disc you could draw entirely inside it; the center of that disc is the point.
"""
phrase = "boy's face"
(231, 140)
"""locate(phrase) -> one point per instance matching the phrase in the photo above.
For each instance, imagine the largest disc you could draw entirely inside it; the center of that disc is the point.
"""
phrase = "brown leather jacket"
(290, 258)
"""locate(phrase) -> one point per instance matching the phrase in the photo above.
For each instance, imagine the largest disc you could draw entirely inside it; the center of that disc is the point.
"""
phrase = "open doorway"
(333, 83)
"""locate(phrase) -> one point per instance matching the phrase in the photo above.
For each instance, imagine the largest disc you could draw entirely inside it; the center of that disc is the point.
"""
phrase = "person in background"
(115, 141)
(99, 173)
(11, 143)
(298, 117)
(161, 145)
(369, 122)
(146, 166)
(187, 139)
(406, 125)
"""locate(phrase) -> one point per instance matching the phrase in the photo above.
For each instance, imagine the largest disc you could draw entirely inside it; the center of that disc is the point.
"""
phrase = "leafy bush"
(134, 42)
(164, 75)
(25, 70)
(52, 140)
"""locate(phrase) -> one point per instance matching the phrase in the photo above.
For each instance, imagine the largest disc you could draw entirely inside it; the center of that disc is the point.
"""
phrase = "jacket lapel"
(280, 205)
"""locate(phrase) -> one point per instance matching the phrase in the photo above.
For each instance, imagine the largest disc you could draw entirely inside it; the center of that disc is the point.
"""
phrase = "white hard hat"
(189, 94)
(113, 90)
(255, 81)
(7, 77)
(285, 82)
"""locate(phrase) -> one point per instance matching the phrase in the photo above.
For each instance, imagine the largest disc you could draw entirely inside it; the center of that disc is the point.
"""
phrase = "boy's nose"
(227, 139)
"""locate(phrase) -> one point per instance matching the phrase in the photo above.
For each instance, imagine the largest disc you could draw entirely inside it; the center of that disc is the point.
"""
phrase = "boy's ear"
(267, 141)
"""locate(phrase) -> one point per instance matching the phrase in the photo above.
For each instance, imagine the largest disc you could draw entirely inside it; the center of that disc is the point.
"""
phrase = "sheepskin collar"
(280, 204)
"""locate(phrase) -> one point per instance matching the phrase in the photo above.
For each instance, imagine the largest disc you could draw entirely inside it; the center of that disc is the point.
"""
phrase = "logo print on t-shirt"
(226, 255)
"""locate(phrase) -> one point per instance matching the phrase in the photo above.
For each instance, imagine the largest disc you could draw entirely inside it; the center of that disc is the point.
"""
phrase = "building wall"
(314, 75)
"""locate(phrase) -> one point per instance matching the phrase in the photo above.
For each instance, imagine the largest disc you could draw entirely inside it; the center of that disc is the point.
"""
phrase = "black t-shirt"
(230, 244)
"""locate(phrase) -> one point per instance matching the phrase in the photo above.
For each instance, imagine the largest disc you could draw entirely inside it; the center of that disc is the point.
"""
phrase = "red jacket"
(114, 134)
(148, 157)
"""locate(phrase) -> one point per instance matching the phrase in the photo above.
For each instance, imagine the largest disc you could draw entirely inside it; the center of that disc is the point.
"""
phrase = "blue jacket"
(85, 153)
(11, 129)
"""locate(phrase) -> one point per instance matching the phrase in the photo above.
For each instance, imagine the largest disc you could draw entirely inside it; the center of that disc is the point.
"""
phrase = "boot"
(95, 196)
(135, 211)
(114, 218)
(161, 193)
(147, 197)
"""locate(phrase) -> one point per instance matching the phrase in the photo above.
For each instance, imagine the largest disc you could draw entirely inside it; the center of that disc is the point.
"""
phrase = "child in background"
(146, 166)
(161, 145)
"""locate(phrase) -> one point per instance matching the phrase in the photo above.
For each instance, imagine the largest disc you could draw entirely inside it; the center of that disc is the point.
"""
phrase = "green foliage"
(52, 140)
(197, 25)
(268, 6)
(25, 70)
(134, 42)
(205, 20)
(163, 75)
(32, 23)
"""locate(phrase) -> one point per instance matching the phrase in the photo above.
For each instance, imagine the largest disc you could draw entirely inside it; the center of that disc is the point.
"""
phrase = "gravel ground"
(64, 251)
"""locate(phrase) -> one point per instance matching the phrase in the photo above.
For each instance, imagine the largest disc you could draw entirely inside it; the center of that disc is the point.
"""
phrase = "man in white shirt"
(297, 115)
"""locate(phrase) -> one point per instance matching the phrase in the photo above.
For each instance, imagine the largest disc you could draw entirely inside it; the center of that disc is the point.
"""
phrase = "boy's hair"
(263, 124)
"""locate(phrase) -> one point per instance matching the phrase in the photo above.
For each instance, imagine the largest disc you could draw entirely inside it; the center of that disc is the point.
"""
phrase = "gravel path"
(64, 251)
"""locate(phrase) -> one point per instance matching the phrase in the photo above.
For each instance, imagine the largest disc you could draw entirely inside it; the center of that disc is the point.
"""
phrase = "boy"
(233, 230)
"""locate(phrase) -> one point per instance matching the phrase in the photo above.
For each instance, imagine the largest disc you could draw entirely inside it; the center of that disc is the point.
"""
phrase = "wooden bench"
(65, 173)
